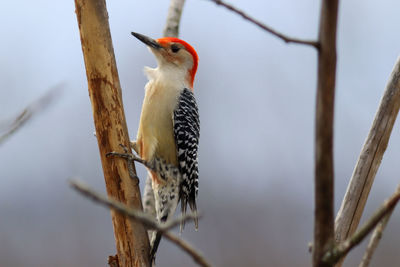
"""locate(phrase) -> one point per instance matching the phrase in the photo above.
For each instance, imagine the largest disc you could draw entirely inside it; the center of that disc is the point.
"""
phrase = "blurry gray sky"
(256, 99)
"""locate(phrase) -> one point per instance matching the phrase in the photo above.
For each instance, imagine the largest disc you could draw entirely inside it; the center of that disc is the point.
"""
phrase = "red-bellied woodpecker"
(169, 128)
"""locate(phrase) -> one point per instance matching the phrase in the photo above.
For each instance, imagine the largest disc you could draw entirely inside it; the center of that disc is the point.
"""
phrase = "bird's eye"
(175, 48)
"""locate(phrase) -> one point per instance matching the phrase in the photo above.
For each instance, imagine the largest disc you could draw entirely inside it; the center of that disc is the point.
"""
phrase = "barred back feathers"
(187, 134)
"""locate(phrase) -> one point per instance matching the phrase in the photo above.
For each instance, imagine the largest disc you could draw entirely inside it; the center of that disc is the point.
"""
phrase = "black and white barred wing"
(187, 133)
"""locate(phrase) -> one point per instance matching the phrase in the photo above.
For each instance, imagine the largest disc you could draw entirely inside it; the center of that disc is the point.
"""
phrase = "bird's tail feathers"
(156, 238)
(183, 209)
(193, 207)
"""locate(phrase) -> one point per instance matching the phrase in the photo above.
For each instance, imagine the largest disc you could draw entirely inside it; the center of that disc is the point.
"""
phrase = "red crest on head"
(189, 48)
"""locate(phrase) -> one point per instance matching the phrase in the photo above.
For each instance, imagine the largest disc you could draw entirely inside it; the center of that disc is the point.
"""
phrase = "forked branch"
(343, 248)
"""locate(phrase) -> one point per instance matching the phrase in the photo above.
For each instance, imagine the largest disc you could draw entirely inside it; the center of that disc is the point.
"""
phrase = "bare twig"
(375, 238)
(131, 238)
(283, 37)
(29, 111)
(144, 219)
(197, 257)
(139, 215)
(324, 177)
(340, 250)
(173, 18)
(369, 160)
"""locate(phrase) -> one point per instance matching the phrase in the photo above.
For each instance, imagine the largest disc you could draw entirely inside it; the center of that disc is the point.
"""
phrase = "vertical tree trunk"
(324, 178)
(105, 94)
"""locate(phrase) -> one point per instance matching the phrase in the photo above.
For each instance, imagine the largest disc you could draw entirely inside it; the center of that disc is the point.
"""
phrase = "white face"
(173, 54)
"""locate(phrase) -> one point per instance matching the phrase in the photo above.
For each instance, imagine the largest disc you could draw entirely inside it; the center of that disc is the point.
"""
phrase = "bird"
(169, 129)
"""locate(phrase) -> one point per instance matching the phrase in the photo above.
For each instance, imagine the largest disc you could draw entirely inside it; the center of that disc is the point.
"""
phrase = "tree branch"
(371, 155)
(173, 18)
(197, 257)
(343, 248)
(324, 177)
(281, 36)
(29, 111)
(375, 238)
(144, 219)
(111, 130)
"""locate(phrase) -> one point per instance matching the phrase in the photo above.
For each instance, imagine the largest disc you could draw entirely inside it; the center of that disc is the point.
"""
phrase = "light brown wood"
(111, 130)
(369, 160)
(341, 249)
(173, 18)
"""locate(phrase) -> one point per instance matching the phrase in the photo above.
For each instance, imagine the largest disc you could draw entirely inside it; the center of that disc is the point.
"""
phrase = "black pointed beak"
(147, 40)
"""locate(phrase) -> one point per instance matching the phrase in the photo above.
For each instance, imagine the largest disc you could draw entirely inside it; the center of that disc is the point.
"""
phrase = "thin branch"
(173, 18)
(324, 177)
(139, 215)
(340, 250)
(282, 36)
(197, 257)
(144, 219)
(375, 238)
(29, 111)
(371, 155)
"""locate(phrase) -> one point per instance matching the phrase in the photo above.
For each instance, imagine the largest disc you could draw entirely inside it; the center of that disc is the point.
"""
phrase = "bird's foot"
(134, 146)
(126, 155)
(131, 158)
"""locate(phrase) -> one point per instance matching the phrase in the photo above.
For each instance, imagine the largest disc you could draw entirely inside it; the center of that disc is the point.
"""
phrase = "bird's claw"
(129, 157)
(124, 148)
(125, 155)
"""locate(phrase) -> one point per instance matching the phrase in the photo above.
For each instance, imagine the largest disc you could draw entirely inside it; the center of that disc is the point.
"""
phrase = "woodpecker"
(169, 128)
